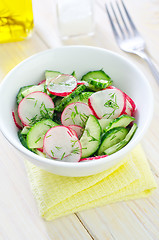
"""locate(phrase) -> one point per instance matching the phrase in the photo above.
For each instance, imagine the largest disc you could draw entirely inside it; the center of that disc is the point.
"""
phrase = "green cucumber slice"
(82, 97)
(90, 139)
(20, 96)
(98, 84)
(66, 100)
(25, 130)
(49, 75)
(104, 122)
(34, 88)
(37, 132)
(95, 78)
(122, 143)
(23, 141)
(112, 137)
(122, 121)
(41, 154)
(98, 74)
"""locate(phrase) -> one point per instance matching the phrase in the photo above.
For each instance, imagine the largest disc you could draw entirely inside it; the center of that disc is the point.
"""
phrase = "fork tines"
(124, 24)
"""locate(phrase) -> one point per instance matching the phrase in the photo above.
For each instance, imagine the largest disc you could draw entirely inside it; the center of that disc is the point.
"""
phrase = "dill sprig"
(58, 148)
(45, 112)
(63, 155)
(33, 120)
(75, 150)
(38, 140)
(111, 103)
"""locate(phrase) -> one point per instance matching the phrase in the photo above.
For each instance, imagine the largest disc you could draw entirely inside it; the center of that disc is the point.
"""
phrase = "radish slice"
(92, 158)
(61, 144)
(42, 82)
(76, 114)
(108, 103)
(16, 119)
(77, 129)
(62, 85)
(131, 104)
(35, 107)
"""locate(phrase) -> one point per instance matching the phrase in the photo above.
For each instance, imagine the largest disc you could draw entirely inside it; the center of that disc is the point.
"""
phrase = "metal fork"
(127, 36)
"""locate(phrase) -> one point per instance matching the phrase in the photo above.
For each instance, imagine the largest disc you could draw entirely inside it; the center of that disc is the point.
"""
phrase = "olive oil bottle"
(16, 20)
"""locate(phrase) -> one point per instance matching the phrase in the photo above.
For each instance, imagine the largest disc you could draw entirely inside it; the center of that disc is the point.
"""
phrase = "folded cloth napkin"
(57, 195)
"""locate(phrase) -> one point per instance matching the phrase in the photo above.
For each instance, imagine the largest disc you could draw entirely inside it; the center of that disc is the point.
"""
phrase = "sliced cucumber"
(111, 138)
(41, 154)
(98, 84)
(20, 96)
(90, 139)
(37, 132)
(98, 74)
(49, 75)
(82, 97)
(66, 100)
(122, 143)
(25, 130)
(104, 122)
(34, 88)
(23, 141)
(122, 121)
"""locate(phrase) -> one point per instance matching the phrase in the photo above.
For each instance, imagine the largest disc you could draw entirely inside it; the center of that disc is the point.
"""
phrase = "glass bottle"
(75, 17)
(16, 20)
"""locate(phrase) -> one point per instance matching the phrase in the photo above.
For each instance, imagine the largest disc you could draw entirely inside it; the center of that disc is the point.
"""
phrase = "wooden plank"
(19, 213)
(14, 53)
(118, 221)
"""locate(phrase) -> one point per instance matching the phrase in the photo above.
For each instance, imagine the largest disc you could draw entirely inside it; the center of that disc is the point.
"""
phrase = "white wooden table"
(133, 220)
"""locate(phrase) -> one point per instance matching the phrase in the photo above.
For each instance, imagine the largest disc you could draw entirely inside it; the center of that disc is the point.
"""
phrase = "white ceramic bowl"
(82, 59)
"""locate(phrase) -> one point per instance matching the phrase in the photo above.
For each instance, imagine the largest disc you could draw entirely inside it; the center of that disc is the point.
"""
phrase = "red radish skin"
(92, 158)
(30, 107)
(76, 114)
(80, 83)
(112, 103)
(77, 129)
(72, 132)
(62, 144)
(94, 113)
(42, 82)
(40, 149)
(124, 108)
(17, 121)
(62, 85)
(110, 87)
(133, 105)
(128, 109)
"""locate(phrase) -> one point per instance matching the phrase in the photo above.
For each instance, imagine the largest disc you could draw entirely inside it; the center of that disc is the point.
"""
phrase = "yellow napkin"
(58, 196)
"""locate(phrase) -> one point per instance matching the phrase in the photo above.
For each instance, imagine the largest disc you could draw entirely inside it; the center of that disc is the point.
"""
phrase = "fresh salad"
(65, 119)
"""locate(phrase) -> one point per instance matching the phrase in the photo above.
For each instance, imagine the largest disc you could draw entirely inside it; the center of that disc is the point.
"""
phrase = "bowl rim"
(83, 164)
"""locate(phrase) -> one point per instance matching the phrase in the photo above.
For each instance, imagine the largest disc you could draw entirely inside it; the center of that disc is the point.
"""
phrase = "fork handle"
(153, 69)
